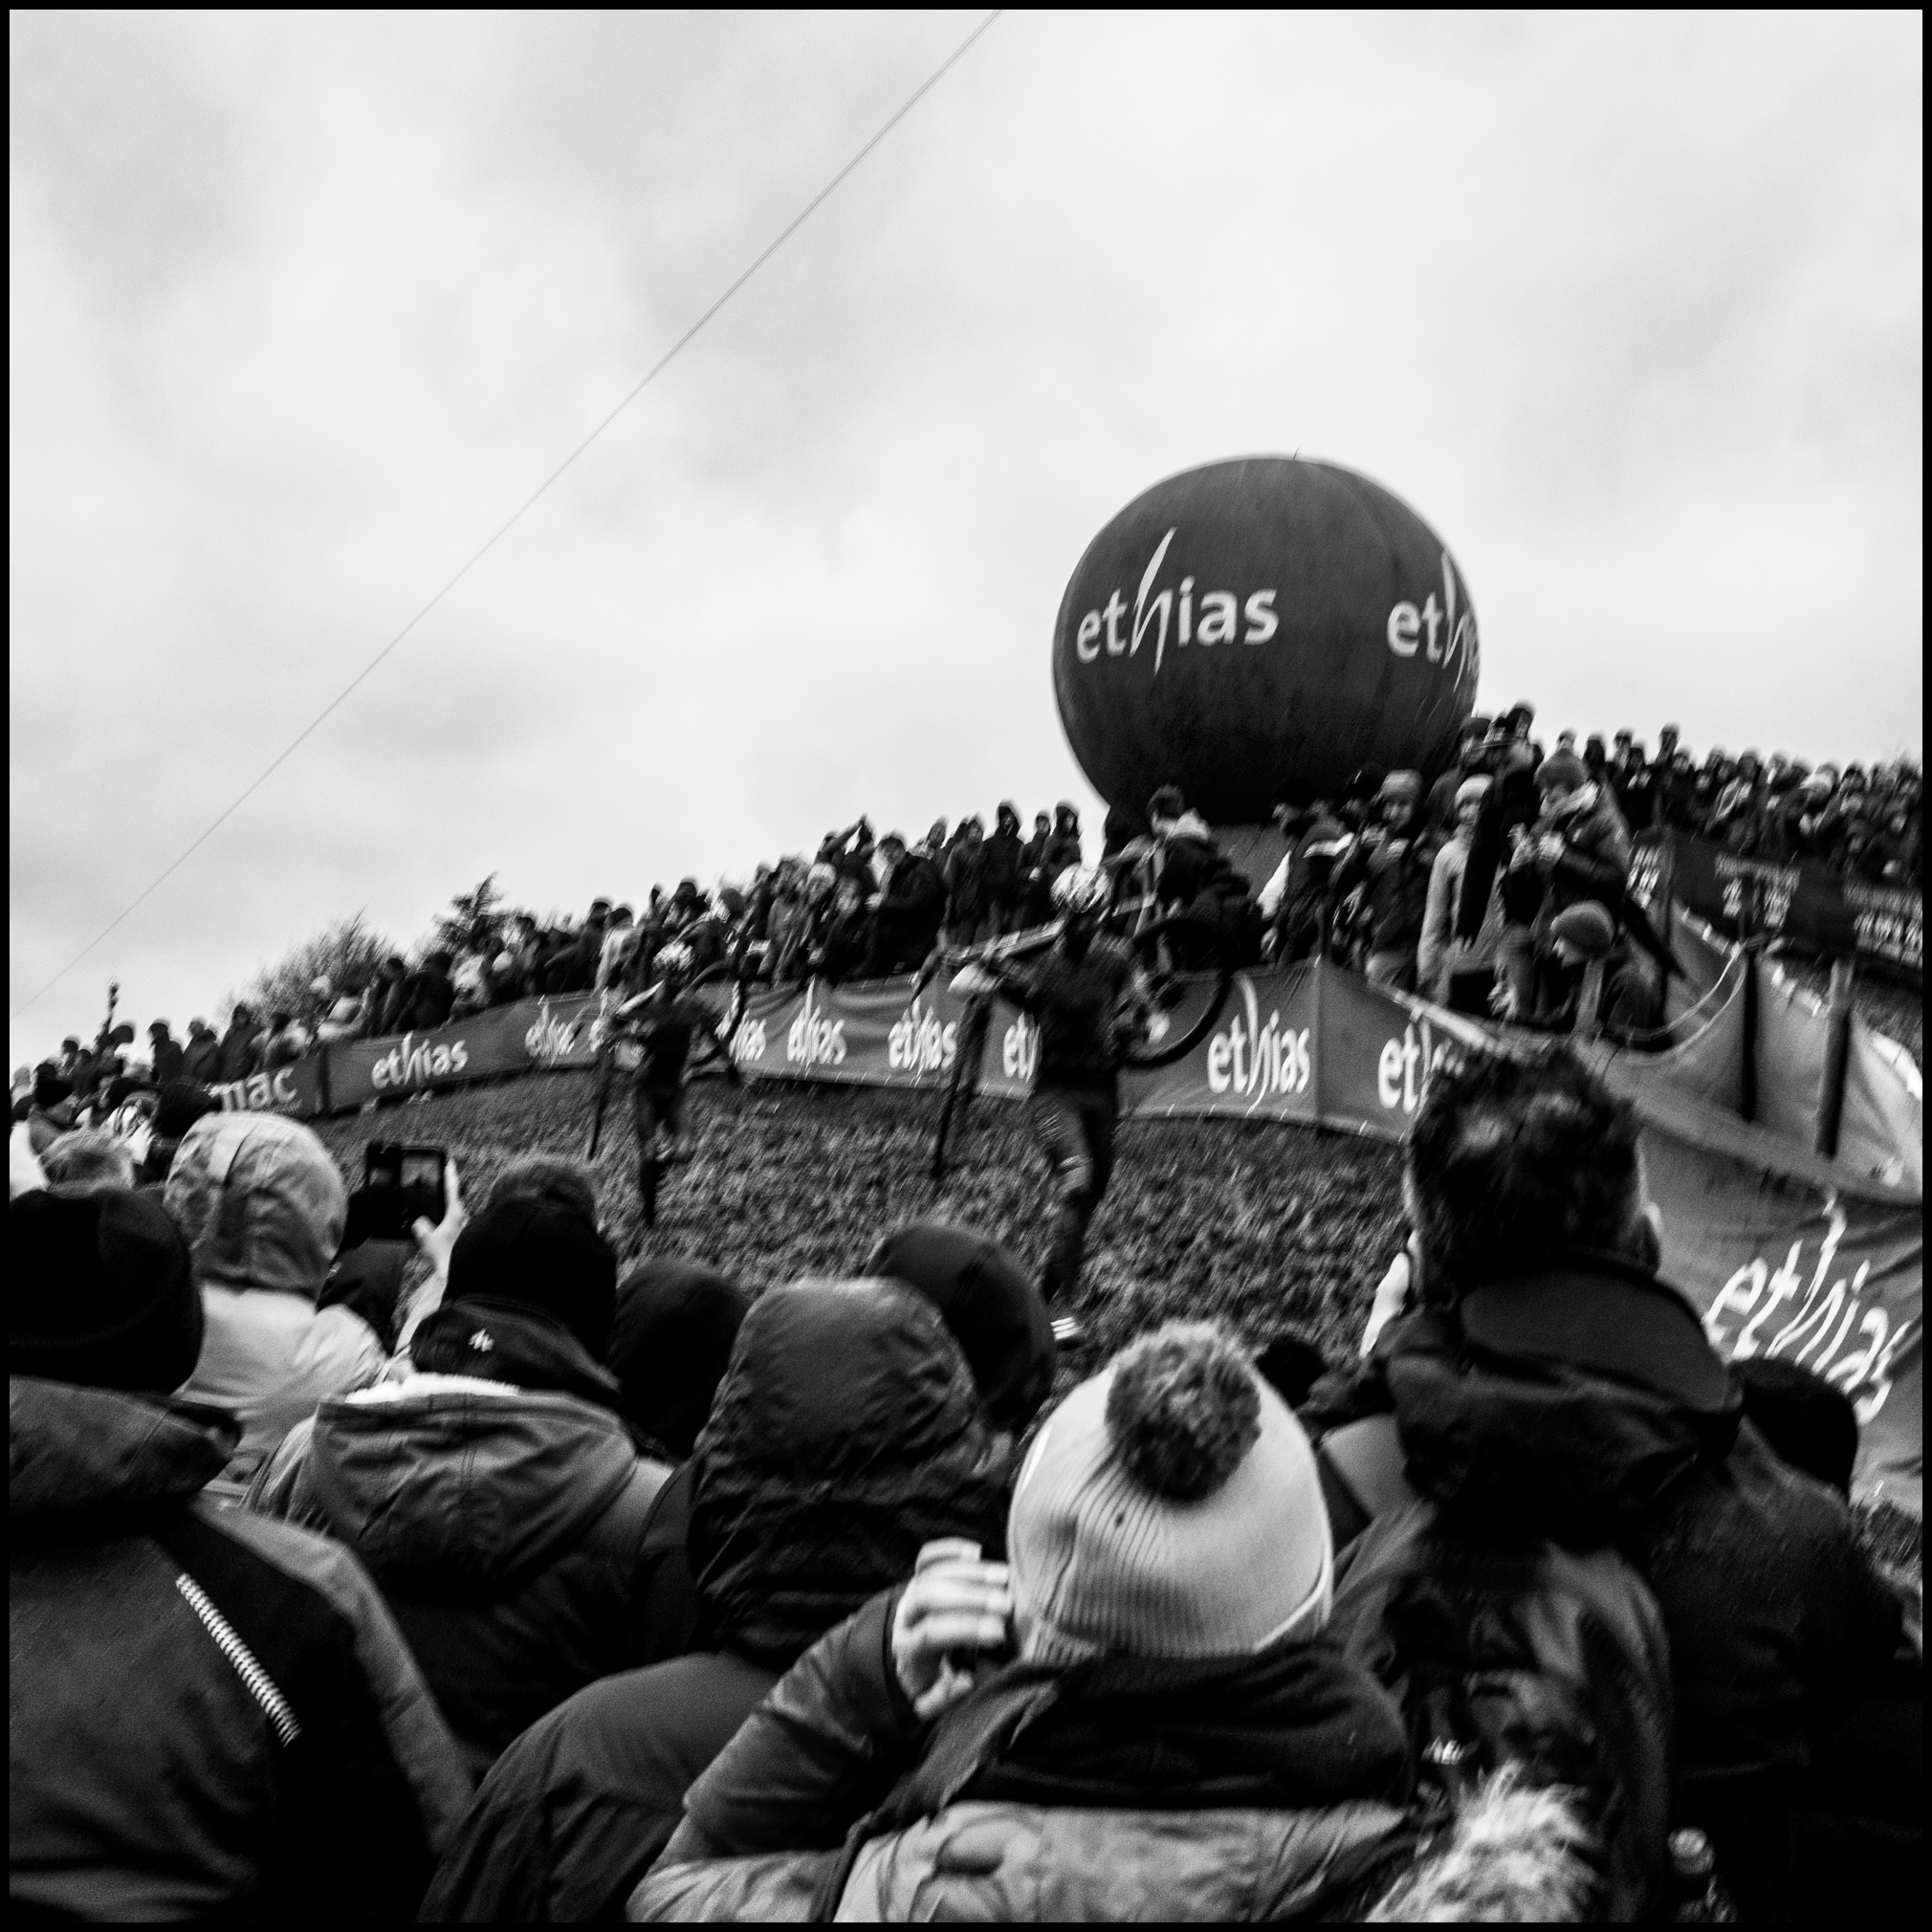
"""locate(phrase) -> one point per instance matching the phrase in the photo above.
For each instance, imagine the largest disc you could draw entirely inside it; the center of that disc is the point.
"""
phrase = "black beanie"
(537, 1255)
(1808, 1421)
(101, 1292)
(671, 1345)
(990, 1303)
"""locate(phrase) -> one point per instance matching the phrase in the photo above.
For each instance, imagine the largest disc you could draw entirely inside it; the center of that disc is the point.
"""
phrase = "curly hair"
(1513, 1161)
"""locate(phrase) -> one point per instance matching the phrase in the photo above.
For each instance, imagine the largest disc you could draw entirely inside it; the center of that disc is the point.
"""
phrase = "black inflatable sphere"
(1256, 621)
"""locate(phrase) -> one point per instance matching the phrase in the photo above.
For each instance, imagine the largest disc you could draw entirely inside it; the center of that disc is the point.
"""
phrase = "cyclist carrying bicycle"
(1089, 998)
(658, 1027)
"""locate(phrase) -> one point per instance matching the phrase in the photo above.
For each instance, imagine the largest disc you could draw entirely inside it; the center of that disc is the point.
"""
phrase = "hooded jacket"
(503, 1519)
(209, 1714)
(263, 1210)
(1583, 1403)
(1597, 848)
(1225, 1789)
(846, 1435)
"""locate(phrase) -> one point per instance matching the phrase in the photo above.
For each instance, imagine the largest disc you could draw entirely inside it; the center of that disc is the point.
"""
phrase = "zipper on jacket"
(260, 1685)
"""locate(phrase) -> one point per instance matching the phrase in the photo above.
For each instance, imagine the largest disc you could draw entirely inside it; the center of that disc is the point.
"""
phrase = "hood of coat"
(846, 1434)
(73, 1449)
(1561, 1402)
(448, 1485)
(260, 1202)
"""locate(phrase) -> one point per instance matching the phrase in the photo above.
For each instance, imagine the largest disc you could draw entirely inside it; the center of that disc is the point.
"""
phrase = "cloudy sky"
(304, 305)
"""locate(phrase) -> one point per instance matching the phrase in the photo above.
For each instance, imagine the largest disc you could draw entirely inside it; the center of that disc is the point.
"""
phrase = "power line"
(650, 375)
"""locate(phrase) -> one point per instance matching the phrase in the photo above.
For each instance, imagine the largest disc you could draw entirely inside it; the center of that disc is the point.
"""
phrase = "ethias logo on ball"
(1443, 634)
(1216, 619)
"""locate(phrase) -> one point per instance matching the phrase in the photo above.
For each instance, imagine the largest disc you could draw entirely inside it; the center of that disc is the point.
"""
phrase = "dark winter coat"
(907, 918)
(969, 892)
(1397, 871)
(1264, 1787)
(846, 1435)
(1623, 1427)
(210, 1715)
(240, 1051)
(201, 1059)
(1596, 859)
(429, 999)
(503, 1520)
(1078, 1005)
(169, 1061)
(1004, 866)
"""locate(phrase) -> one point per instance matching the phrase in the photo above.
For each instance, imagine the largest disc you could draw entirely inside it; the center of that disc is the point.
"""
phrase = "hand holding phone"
(957, 1610)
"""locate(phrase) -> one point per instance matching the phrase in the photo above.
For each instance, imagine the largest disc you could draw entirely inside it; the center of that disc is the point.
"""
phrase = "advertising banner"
(300, 1090)
(1821, 909)
(520, 1037)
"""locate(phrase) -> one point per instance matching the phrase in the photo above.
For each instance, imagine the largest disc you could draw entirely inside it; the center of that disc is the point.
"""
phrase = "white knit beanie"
(1170, 1507)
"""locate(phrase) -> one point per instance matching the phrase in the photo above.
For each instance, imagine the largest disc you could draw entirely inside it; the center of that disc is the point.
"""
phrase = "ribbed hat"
(1170, 1507)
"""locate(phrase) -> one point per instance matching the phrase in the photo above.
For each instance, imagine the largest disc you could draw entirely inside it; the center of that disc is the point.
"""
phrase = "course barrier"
(1784, 1251)
(1808, 904)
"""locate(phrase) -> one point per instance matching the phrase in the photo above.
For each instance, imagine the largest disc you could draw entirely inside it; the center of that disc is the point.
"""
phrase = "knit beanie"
(992, 1306)
(535, 1254)
(1588, 926)
(101, 1292)
(1169, 1508)
(1561, 768)
(1472, 791)
(670, 1346)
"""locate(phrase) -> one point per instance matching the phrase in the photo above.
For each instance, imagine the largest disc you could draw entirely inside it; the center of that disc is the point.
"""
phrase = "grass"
(1271, 1228)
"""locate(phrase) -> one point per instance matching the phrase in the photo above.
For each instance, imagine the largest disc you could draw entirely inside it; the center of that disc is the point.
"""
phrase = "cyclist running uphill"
(1088, 996)
(660, 1025)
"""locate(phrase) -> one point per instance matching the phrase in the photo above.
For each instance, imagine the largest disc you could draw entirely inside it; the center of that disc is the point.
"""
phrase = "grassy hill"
(1269, 1227)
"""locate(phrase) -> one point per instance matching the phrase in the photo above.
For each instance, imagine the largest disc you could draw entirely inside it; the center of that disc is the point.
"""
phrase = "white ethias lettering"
(1403, 1065)
(553, 1038)
(1825, 1325)
(1444, 630)
(812, 1040)
(919, 1042)
(1019, 1048)
(1260, 1060)
(1215, 617)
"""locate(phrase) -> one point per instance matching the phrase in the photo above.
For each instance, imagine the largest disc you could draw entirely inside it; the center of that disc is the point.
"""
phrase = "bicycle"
(1189, 964)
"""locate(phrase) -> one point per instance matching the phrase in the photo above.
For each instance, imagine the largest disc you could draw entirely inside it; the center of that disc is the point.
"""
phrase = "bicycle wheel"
(1188, 964)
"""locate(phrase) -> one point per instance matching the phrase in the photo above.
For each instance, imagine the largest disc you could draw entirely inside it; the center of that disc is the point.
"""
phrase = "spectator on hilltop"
(846, 1435)
(911, 909)
(1458, 972)
(167, 1059)
(284, 1042)
(1294, 904)
(1173, 1739)
(1439, 812)
(969, 903)
(1391, 861)
(240, 1044)
(1005, 869)
(201, 1057)
(210, 1716)
(1530, 1309)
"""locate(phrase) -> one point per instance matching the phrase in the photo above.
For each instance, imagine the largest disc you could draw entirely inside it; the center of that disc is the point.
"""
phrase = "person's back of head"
(671, 1340)
(535, 1252)
(845, 1436)
(101, 1294)
(260, 1202)
(1512, 1162)
(548, 1177)
(88, 1160)
(989, 1302)
(1169, 1508)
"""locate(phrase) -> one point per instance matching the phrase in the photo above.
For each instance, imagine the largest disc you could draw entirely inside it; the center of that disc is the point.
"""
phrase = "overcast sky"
(303, 305)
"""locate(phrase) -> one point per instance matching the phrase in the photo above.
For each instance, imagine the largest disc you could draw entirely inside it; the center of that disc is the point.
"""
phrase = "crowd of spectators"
(545, 1589)
(1378, 878)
